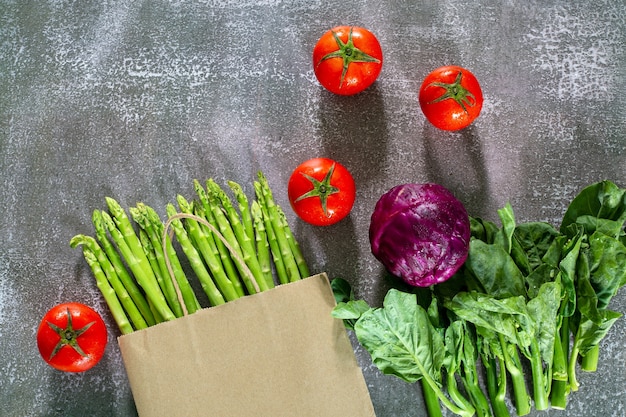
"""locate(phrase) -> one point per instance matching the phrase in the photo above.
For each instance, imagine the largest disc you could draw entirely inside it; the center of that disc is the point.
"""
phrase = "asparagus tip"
(77, 240)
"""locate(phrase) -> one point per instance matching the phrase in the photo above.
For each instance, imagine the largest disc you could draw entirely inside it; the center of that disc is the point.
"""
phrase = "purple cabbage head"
(420, 233)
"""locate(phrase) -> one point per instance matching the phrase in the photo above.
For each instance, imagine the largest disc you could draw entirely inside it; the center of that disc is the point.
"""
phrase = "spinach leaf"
(600, 206)
(567, 267)
(348, 309)
(342, 290)
(607, 266)
(401, 338)
(531, 242)
(542, 274)
(504, 237)
(494, 270)
(350, 312)
(483, 229)
(544, 309)
(589, 333)
(501, 316)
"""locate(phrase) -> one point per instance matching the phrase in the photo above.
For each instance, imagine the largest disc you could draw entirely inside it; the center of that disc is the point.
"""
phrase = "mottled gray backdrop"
(135, 99)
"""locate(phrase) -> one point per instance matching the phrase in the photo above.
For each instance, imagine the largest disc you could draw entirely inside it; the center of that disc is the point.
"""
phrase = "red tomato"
(71, 337)
(347, 59)
(321, 191)
(451, 98)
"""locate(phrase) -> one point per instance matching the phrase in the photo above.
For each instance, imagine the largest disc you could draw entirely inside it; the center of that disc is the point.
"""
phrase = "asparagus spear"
(94, 254)
(162, 277)
(203, 245)
(245, 241)
(138, 264)
(214, 295)
(293, 244)
(123, 274)
(279, 264)
(221, 252)
(262, 244)
(149, 220)
(285, 250)
(118, 214)
(108, 293)
(212, 204)
(157, 315)
(244, 208)
(151, 224)
(259, 237)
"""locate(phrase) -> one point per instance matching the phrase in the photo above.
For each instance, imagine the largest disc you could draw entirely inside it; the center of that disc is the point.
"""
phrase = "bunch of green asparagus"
(234, 247)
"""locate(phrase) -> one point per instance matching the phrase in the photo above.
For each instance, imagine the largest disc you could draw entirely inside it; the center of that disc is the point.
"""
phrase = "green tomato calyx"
(321, 189)
(348, 53)
(456, 92)
(69, 336)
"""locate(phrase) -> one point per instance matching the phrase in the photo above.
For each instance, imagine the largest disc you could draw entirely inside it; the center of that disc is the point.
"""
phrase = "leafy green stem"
(514, 368)
(559, 393)
(560, 384)
(496, 386)
(464, 412)
(431, 400)
(539, 387)
(475, 393)
(573, 382)
(455, 394)
(589, 362)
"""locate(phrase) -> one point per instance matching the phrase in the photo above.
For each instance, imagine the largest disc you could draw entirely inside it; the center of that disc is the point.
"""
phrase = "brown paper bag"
(276, 353)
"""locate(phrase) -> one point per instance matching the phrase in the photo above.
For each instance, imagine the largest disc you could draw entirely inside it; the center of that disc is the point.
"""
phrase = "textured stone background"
(135, 99)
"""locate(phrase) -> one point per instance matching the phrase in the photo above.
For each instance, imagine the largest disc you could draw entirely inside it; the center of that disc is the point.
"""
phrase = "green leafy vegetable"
(528, 289)
(403, 342)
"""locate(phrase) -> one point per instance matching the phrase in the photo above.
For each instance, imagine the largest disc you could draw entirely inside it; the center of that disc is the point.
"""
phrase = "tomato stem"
(321, 189)
(69, 336)
(456, 92)
(349, 53)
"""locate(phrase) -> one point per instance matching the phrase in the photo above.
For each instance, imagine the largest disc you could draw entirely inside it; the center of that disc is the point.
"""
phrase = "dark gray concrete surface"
(135, 99)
